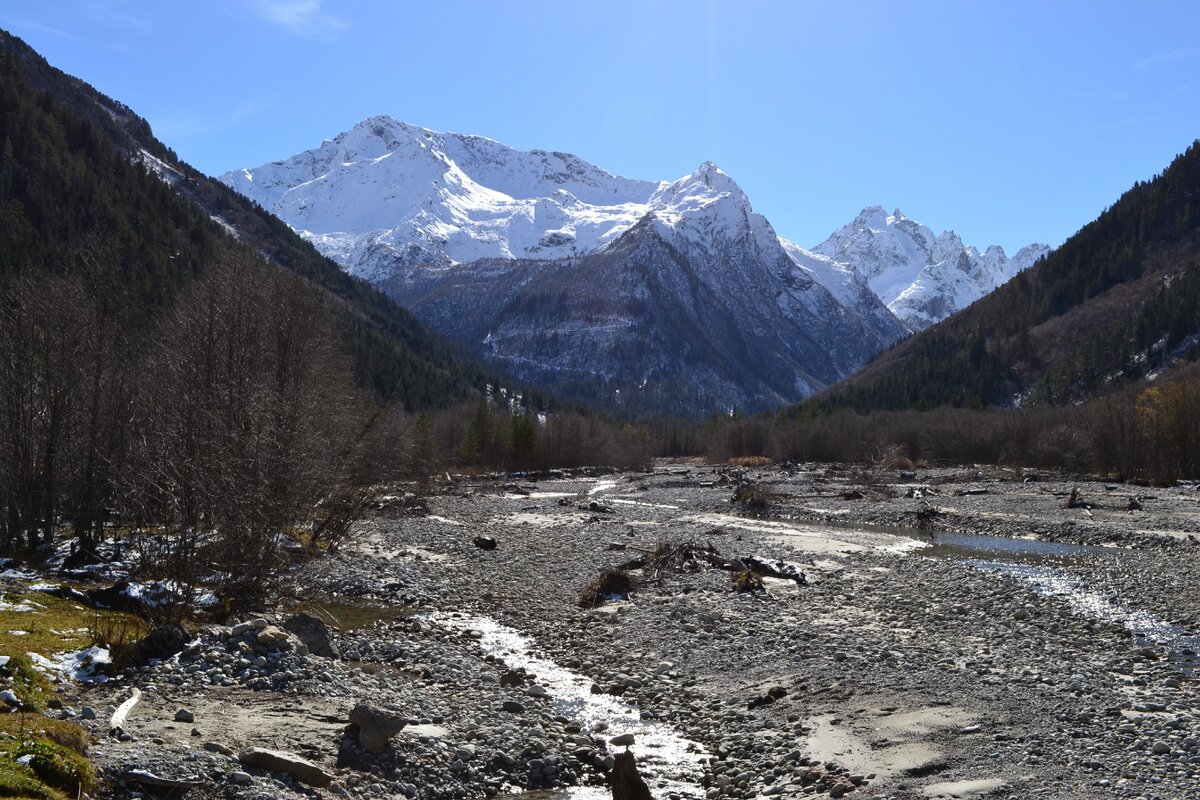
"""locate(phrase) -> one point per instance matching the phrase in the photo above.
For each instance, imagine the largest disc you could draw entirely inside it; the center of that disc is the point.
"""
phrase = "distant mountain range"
(923, 278)
(660, 295)
(1117, 303)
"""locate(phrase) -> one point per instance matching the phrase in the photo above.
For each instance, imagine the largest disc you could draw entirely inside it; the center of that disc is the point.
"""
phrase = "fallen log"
(117, 721)
(276, 761)
(147, 778)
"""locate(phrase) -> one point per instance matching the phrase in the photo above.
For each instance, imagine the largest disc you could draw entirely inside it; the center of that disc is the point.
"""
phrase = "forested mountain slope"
(1120, 300)
(82, 172)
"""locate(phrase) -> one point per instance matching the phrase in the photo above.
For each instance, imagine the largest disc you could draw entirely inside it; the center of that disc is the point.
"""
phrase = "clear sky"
(1007, 121)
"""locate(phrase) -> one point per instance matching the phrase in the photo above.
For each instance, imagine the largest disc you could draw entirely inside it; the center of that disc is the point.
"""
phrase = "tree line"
(1149, 432)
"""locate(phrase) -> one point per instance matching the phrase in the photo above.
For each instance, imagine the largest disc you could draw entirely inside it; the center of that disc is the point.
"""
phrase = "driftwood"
(1075, 501)
(773, 568)
(118, 718)
(147, 778)
(627, 784)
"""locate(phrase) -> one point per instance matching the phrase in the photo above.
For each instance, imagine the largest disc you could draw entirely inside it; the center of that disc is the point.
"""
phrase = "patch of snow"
(11, 571)
(224, 223)
(162, 593)
(165, 172)
(24, 606)
(84, 666)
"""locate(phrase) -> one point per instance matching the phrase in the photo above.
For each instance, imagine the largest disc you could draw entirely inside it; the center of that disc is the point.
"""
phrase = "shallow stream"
(669, 763)
(1046, 566)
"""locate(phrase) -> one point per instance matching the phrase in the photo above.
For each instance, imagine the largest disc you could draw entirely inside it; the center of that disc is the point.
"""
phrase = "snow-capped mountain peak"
(923, 277)
(387, 195)
(538, 247)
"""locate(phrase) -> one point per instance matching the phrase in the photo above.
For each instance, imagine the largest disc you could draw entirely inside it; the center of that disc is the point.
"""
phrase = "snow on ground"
(84, 666)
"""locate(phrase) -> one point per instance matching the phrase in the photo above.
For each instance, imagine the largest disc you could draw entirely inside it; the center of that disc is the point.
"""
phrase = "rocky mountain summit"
(668, 296)
(922, 277)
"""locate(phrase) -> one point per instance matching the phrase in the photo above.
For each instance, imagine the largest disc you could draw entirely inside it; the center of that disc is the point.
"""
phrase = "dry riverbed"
(920, 659)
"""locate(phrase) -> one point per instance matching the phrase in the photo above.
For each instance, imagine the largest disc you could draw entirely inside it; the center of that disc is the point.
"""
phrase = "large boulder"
(375, 726)
(273, 638)
(276, 761)
(314, 633)
(161, 643)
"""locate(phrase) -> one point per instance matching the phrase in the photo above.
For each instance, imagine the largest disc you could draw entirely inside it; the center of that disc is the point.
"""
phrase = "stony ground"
(891, 673)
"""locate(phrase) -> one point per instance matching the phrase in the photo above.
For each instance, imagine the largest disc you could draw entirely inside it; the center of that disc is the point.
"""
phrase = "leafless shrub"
(244, 424)
(611, 584)
(751, 497)
(746, 581)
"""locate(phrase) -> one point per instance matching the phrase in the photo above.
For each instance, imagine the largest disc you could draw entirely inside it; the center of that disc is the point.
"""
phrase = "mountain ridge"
(387, 196)
(416, 211)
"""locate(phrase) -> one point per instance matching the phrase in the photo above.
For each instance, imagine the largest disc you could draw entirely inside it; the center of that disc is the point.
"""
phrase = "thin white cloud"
(37, 26)
(301, 18)
(1181, 54)
(173, 127)
(114, 13)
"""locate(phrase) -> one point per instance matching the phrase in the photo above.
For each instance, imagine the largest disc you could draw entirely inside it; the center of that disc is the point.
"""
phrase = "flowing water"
(1046, 566)
(669, 762)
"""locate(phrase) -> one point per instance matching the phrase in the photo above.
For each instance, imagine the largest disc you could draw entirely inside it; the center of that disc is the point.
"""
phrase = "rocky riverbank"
(888, 673)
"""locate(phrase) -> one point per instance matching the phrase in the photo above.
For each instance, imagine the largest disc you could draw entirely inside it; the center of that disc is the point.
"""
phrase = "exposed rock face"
(922, 276)
(664, 324)
(376, 726)
(313, 632)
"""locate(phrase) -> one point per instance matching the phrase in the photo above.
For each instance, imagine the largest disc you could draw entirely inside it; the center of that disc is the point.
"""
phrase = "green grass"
(58, 768)
(26, 680)
(53, 626)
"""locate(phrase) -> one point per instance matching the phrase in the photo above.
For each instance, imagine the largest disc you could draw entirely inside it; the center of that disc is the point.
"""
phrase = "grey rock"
(313, 632)
(624, 740)
(161, 643)
(375, 726)
(277, 761)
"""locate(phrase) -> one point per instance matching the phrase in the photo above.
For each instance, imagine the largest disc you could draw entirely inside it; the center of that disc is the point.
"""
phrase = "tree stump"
(627, 784)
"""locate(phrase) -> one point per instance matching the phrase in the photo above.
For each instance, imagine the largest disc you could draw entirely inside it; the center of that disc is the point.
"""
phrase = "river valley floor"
(960, 633)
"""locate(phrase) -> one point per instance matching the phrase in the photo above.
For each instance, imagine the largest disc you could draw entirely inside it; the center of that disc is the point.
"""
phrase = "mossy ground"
(55, 766)
(35, 622)
(28, 682)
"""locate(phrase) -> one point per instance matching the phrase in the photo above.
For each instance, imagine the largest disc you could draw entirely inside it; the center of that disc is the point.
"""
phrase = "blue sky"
(1008, 122)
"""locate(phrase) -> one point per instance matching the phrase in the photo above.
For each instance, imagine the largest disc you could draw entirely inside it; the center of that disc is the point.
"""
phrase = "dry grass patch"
(749, 461)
